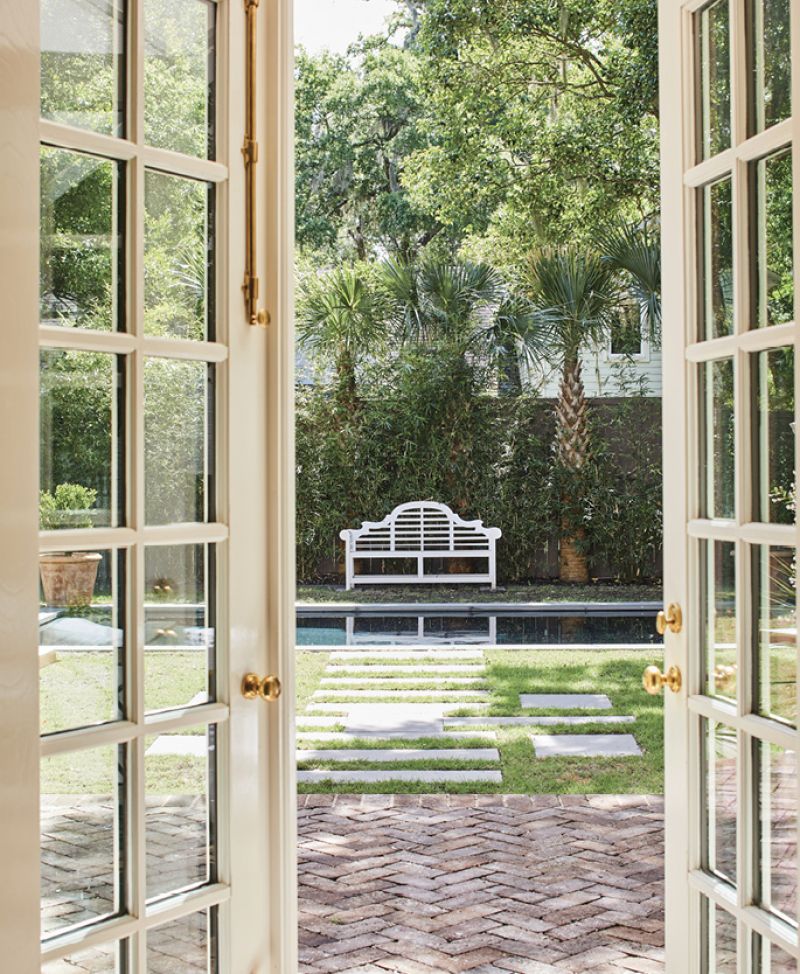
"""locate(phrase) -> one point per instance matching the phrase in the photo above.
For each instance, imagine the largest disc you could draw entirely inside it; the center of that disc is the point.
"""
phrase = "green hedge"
(423, 431)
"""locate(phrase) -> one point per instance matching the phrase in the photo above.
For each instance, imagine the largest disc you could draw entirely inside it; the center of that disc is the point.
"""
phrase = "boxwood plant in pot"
(68, 577)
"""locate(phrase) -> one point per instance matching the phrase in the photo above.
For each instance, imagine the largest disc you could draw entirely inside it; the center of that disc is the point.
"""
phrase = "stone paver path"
(585, 745)
(487, 884)
(407, 713)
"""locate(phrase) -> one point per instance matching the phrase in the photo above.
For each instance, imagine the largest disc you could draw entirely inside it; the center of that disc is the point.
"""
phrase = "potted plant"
(68, 578)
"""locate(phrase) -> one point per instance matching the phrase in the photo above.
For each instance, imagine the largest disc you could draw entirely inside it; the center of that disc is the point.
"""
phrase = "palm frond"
(635, 249)
(573, 295)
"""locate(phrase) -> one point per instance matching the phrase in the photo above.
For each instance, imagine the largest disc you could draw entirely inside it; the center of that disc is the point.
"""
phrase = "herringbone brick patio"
(487, 884)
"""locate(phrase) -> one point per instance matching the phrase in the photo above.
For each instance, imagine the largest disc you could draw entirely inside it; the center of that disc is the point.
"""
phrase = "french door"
(730, 71)
(153, 423)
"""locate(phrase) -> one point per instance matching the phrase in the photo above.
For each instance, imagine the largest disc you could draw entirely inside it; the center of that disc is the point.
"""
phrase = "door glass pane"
(775, 636)
(772, 959)
(81, 414)
(179, 75)
(81, 639)
(770, 63)
(83, 71)
(82, 211)
(720, 954)
(712, 27)
(776, 777)
(715, 247)
(186, 946)
(772, 287)
(717, 493)
(719, 799)
(176, 433)
(178, 265)
(180, 798)
(96, 960)
(718, 566)
(82, 818)
(773, 434)
(179, 626)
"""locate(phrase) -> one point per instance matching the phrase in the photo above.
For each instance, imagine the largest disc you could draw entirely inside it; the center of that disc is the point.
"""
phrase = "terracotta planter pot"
(68, 580)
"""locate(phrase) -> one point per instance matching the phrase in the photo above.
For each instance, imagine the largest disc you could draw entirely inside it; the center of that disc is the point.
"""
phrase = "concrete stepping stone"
(381, 755)
(317, 721)
(380, 668)
(351, 694)
(425, 655)
(182, 745)
(433, 711)
(382, 735)
(394, 679)
(537, 721)
(585, 745)
(565, 701)
(378, 777)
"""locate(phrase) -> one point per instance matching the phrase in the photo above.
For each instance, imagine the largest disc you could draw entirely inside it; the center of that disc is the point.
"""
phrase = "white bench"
(418, 531)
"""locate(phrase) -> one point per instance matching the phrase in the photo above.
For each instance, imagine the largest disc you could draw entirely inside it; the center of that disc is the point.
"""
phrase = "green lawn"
(313, 594)
(617, 673)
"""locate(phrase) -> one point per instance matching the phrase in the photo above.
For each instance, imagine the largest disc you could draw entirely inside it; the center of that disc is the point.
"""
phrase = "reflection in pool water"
(324, 629)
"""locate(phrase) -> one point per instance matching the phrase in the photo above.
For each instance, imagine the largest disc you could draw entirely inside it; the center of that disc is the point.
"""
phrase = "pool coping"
(375, 649)
(476, 608)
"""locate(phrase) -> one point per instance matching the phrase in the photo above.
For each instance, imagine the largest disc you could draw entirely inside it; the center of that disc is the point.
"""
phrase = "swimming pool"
(472, 625)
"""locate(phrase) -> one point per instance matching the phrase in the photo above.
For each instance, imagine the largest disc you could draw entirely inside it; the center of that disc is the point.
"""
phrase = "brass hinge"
(250, 152)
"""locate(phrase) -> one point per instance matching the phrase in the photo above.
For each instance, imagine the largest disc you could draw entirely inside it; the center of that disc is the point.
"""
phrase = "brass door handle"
(267, 687)
(654, 681)
(671, 618)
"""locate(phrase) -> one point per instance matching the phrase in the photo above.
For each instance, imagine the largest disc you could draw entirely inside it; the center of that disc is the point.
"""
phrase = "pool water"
(501, 629)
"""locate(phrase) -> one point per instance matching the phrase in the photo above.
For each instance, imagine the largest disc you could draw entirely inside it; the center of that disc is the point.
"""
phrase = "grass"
(598, 592)
(80, 688)
(617, 673)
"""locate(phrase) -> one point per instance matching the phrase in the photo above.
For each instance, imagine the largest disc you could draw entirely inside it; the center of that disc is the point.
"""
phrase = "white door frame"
(19, 484)
(672, 82)
(687, 881)
(257, 798)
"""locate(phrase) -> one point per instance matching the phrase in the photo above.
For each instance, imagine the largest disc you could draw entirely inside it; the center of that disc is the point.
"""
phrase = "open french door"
(730, 71)
(146, 801)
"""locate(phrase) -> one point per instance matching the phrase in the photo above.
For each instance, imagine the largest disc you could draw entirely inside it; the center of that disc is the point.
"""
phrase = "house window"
(625, 339)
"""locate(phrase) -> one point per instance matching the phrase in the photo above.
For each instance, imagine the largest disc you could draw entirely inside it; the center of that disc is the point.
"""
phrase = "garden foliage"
(426, 429)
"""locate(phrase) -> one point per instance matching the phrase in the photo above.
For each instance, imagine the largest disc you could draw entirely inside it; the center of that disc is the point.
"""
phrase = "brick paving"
(487, 884)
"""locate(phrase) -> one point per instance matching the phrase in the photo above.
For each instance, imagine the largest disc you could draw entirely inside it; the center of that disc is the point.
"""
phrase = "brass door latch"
(267, 687)
(654, 681)
(671, 618)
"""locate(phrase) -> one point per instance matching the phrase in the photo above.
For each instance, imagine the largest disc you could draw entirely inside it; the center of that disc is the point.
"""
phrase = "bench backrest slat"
(420, 528)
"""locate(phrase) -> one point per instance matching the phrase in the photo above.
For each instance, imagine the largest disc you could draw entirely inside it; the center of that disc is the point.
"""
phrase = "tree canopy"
(489, 127)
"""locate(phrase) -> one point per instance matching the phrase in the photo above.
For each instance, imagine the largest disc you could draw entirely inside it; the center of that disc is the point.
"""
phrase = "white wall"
(607, 376)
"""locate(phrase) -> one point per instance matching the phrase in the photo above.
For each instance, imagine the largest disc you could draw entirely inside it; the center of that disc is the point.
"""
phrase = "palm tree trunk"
(572, 451)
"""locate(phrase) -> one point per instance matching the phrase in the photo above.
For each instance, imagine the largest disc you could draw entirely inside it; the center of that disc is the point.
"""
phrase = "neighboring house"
(611, 370)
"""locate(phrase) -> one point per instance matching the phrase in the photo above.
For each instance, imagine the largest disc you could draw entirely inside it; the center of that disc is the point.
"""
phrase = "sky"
(334, 24)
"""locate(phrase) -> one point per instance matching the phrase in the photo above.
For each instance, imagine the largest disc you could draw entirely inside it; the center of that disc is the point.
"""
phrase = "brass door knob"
(671, 618)
(654, 681)
(267, 687)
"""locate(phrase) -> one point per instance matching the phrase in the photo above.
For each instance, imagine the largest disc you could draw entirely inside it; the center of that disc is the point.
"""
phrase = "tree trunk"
(572, 451)
(572, 564)
(572, 426)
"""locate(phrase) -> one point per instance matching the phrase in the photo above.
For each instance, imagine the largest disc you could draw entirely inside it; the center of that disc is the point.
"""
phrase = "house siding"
(605, 376)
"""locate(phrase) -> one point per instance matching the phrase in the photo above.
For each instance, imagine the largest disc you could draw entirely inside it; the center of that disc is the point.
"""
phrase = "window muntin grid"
(120, 148)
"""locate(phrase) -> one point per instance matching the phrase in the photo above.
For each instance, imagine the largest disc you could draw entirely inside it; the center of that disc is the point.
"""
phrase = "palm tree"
(634, 250)
(464, 307)
(340, 316)
(574, 296)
